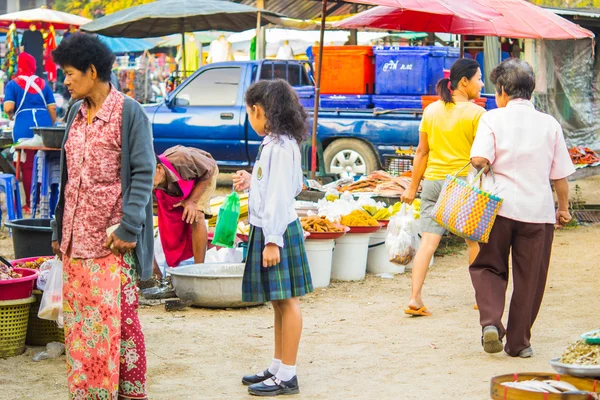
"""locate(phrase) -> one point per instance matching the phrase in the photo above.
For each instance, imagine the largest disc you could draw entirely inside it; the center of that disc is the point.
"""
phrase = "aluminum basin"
(217, 285)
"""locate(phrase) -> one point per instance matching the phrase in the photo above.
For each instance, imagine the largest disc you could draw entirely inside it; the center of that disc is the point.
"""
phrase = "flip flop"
(421, 312)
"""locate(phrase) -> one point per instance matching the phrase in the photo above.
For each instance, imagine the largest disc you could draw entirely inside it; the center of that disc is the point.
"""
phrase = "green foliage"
(96, 8)
(568, 3)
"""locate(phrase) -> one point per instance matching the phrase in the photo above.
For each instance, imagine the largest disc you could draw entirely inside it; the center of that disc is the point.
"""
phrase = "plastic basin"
(52, 137)
(20, 288)
(31, 237)
(216, 285)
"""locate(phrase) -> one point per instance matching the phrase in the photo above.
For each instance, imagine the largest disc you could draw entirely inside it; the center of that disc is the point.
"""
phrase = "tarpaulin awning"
(126, 45)
(514, 19)
(42, 17)
(166, 17)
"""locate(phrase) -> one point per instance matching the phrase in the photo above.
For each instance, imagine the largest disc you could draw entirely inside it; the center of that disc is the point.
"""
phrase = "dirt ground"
(357, 344)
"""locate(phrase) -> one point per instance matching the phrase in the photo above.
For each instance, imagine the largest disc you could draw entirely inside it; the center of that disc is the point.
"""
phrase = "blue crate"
(491, 101)
(411, 70)
(347, 101)
(397, 102)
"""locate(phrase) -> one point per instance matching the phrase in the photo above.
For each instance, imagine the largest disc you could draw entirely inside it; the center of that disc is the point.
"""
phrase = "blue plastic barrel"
(346, 101)
(410, 70)
(397, 102)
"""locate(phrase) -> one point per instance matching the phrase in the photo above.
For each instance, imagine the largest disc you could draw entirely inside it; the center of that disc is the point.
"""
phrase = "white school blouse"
(276, 181)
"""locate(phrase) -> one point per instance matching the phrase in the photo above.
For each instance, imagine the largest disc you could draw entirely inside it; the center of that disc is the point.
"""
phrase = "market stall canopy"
(514, 19)
(127, 45)
(42, 17)
(199, 37)
(166, 17)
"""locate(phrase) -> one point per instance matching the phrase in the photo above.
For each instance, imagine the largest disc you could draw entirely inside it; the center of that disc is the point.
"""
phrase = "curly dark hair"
(285, 115)
(81, 51)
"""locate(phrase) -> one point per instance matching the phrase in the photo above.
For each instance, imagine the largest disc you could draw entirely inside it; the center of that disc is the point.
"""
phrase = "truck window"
(294, 73)
(213, 87)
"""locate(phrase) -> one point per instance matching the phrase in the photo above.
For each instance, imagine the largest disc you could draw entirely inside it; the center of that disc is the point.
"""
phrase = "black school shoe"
(254, 379)
(280, 388)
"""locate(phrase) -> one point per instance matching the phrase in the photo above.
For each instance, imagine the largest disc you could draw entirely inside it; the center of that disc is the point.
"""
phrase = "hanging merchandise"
(12, 46)
(49, 65)
(33, 44)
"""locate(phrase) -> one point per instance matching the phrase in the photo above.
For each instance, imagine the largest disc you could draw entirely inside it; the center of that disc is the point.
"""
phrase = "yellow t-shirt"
(450, 130)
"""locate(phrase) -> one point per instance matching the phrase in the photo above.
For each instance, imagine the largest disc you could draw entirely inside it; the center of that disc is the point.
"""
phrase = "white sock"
(286, 372)
(275, 364)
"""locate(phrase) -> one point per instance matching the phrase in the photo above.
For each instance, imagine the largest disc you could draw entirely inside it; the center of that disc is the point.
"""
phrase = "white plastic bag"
(45, 273)
(402, 240)
(51, 305)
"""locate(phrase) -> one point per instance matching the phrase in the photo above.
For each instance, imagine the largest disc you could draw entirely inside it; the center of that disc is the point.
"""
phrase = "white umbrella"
(42, 16)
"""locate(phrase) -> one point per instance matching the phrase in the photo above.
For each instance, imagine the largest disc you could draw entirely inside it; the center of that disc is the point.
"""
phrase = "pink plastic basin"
(20, 288)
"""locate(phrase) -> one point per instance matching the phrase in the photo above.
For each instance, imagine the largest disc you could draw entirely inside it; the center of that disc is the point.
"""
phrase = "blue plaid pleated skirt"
(290, 278)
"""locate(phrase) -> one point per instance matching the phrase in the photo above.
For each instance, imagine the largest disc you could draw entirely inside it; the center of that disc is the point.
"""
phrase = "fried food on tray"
(317, 224)
(33, 264)
(359, 218)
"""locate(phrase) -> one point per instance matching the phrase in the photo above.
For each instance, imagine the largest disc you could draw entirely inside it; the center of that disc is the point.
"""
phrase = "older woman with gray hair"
(527, 152)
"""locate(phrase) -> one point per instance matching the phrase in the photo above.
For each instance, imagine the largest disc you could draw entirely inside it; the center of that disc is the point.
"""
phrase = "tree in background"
(568, 3)
(96, 8)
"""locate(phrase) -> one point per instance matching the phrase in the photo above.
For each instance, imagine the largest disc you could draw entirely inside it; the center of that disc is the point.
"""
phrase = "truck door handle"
(227, 116)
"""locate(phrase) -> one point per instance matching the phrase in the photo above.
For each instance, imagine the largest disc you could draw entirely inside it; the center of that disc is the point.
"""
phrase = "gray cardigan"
(138, 164)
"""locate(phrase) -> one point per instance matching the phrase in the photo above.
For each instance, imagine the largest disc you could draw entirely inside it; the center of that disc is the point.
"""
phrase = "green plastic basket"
(14, 316)
(589, 339)
(40, 332)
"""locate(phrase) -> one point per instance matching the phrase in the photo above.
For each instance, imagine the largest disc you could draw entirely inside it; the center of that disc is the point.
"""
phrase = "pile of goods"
(581, 353)
(385, 213)
(316, 224)
(548, 386)
(243, 229)
(359, 218)
(33, 264)
(7, 273)
(380, 183)
(583, 156)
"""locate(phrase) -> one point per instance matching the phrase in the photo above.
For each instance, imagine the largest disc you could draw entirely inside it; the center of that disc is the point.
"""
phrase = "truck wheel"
(349, 157)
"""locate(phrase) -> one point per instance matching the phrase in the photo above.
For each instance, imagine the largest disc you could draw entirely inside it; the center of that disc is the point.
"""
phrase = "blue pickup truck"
(207, 111)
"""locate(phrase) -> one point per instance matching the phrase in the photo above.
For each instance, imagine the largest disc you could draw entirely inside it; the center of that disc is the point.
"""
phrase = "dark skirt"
(290, 278)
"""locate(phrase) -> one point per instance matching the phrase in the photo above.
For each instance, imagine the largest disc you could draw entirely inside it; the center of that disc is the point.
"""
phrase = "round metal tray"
(582, 371)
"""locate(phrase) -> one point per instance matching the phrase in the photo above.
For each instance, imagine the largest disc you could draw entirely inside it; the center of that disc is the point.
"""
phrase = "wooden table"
(18, 152)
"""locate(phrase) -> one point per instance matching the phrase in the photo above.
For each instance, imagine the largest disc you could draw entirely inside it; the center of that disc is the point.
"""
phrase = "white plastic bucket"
(350, 257)
(378, 261)
(320, 256)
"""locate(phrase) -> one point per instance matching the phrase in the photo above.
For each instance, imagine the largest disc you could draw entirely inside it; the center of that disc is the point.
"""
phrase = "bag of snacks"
(51, 305)
(402, 240)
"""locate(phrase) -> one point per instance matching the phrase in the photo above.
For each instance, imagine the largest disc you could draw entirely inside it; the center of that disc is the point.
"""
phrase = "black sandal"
(280, 388)
(254, 379)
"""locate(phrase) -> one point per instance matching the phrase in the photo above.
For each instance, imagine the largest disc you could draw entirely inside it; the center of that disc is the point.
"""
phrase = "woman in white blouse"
(527, 151)
(276, 266)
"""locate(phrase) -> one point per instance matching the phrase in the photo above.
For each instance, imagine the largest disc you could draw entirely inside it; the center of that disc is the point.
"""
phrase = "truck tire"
(348, 157)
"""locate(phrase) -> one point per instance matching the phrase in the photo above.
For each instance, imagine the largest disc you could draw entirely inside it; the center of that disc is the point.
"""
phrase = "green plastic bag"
(227, 222)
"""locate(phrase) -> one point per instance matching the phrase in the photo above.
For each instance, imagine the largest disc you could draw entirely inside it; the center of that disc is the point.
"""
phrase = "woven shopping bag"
(466, 210)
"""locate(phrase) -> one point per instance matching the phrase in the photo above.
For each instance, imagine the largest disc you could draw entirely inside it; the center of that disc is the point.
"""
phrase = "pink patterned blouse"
(93, 196)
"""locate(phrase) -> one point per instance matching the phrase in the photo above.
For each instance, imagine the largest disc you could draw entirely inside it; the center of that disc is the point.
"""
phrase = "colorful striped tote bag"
(466, 210)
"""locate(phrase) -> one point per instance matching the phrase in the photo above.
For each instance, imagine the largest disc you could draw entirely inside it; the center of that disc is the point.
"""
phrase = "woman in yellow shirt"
(445, 138)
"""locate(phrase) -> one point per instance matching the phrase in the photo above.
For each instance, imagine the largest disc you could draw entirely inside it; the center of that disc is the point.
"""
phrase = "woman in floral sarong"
(106, 182)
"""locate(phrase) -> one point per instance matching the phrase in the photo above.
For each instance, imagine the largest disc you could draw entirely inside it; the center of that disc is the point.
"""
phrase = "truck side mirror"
(181, 101)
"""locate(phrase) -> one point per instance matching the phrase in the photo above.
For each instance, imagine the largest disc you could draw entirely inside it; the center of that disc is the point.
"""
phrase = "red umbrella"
(508, 18)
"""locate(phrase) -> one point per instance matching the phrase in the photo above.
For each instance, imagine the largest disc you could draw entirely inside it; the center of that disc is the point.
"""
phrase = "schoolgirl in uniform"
(276, 266)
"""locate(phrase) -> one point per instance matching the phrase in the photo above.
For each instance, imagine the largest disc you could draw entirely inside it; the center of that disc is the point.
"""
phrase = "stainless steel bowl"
(581, 371)
(210, 285)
